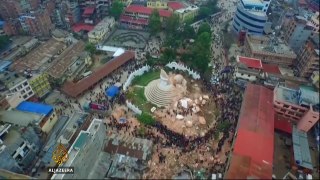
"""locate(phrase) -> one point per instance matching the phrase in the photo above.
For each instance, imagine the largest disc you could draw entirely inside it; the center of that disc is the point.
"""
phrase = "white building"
(84, 151)
(248, 68)
(101, 30)
(16, 83)
(251, 16)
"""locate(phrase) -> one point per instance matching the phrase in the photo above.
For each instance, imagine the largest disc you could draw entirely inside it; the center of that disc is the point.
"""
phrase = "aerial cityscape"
(159, 89)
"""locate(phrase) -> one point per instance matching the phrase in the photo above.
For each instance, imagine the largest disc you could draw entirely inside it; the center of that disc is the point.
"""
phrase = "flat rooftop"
(104, 24)
(66, 59)
(275, 46)
(301, 148)
(11, 79)
(287, 95)
(20, 118)
(38, 56)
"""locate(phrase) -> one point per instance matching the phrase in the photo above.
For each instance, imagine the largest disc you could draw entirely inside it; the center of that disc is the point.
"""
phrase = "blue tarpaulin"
(112, 91)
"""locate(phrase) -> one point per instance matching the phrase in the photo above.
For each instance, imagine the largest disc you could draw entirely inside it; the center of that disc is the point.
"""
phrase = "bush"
(223, 126)
(146, 119)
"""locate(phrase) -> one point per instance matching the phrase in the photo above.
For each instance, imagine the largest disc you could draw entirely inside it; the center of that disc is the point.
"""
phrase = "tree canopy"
(210, 7)
(91, 48)
(116, 9)
(172, 24)
(154, 22)
(4, 41)
(204, 27)
(146, 119)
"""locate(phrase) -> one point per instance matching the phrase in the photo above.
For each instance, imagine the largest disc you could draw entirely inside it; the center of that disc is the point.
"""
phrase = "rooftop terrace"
(287, 95)
(11, 79)
(39, 56)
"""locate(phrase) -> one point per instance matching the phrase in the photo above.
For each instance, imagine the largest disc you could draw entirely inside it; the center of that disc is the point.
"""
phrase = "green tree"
(204, 27)
(204, 12)
(188, 32)
(154, 22)
(146, 119)
(4, 41)
(116, 9)
(91, 48)
(172, 24)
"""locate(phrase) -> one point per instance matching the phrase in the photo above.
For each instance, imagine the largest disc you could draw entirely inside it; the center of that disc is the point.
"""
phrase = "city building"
(84, 150)
(40, 58)
(10, 9)
(12, 175)
(12, 27)
(252, 150)
(50, 116)
(22, 119)
(175, 5)
(187, 13)
(315, 79)
(248, 68)
(16, 83)
(4, 65)
(270, 50)
(251, 16)
(28, 46)
(137, 17)
(4, 104)
(36, 23)
(14, 99)
(300, 105)
(76, 89)
(101, 30)
(308, 58)
(101, 6)
(18, 148)
(40, 84)
(157, 4)
(297, 32)
(315, 22)
(66, 59)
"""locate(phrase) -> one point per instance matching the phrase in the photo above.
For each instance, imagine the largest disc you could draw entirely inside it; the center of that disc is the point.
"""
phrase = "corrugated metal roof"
(301, 148)
(37, 108)
(254, 147)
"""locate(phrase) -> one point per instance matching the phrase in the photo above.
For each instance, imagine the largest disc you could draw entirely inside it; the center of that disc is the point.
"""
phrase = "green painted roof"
(81, 140)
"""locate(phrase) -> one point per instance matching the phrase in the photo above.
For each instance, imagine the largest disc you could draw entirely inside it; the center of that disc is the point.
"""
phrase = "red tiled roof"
(254, 144)
(75, 89)
(250, 62)
(88, 11)
(282, 124)
(79, 27)
(129, 19)
(175, 5)
(146, 10)
(270, 68)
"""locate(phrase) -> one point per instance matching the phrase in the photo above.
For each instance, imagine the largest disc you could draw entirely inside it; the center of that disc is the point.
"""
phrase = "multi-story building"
(101, 6)
(297, 32)
(315, 22)
(308, 58)
(315, 79)
(301, 106)
(40, 84)
(47, 111)
(270, 50)
(16, 83)
(137, 17)
(157, 4)
(83, 152)
(184, 11)
(101, 30)
(4, 104)
(12, 27)
(18, 148)
(251, 16)
(248, 68)
(13, 8)
(37, 23)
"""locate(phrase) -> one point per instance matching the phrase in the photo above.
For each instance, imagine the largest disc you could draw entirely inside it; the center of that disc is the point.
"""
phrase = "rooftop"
(88, 10)
(20, 118)
(39, 56)
(4, 65)
(308, 95)
(75, 89)
(104, 24)
(253, 2)
(82, 27)
(146, 10)
(37, 108)
(270, 68)
(11, 79)
(287, 94)
(271, 45)
(301, 148)
(250, 62)
(130, 19)
(253, 148)
(77, 146)
(175, 5)
(68, 56)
